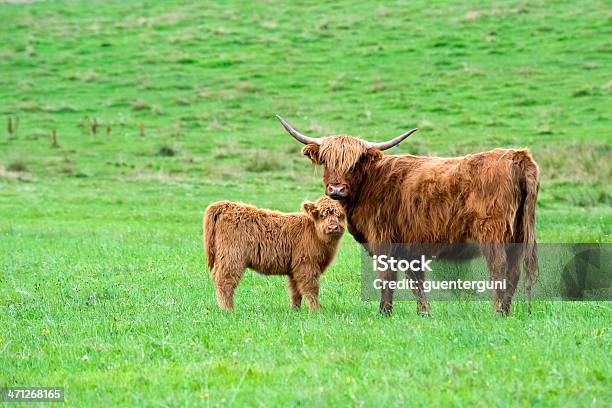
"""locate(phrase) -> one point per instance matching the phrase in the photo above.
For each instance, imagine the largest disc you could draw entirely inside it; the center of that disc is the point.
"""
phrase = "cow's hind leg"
(226, 279)
(514, 254)
(495, 255)
(294, 293)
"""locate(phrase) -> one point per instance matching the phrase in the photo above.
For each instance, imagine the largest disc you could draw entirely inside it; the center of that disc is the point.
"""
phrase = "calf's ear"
(310, 208)
(312, 152)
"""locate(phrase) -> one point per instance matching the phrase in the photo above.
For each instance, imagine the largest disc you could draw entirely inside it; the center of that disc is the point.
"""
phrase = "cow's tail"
(211, 216)
(530, 184)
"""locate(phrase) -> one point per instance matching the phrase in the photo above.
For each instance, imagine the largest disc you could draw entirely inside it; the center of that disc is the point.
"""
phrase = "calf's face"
(328, 218)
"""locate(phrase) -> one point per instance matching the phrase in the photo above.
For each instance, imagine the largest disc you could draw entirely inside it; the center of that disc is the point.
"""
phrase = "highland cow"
(487, 198)
(300, 245)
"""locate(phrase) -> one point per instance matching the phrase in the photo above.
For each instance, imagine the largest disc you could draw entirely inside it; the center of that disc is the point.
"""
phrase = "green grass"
(103, 288)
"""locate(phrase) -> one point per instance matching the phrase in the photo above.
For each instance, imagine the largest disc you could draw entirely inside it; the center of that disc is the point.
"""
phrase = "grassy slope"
(100, 239)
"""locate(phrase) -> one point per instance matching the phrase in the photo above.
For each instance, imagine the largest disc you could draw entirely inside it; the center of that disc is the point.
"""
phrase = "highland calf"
(300, 245)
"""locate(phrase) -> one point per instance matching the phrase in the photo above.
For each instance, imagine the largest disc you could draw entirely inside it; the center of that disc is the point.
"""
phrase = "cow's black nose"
(338, 190)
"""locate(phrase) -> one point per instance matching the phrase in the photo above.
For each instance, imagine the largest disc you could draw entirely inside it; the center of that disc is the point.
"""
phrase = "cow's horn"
(392, 142)
(297, 135)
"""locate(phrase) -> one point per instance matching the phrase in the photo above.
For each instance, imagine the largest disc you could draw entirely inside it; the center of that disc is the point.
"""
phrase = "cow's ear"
(310, 208)
(312, 152)
(373, 154)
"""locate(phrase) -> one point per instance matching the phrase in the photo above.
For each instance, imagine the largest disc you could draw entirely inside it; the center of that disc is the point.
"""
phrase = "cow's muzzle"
(337, 191)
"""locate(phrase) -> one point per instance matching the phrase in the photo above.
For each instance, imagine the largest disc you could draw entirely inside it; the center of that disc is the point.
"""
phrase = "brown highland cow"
(487, 198)
(300, 245)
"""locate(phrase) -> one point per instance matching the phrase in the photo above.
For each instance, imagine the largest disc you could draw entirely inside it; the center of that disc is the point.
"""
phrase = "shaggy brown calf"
(488, 198)
(299, 245)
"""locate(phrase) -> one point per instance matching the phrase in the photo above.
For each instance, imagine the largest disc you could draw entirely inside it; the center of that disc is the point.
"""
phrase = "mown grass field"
(103, 288)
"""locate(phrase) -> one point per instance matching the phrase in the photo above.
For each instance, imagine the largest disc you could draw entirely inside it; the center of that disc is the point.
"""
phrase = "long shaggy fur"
(488, 198)
(300, 245)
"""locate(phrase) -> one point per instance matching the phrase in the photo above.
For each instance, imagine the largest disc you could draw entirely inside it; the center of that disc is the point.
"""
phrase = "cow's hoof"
(501, 309)
(423, 309)
(496, 307)
(385, 309)
(505, 310)
(502, 312)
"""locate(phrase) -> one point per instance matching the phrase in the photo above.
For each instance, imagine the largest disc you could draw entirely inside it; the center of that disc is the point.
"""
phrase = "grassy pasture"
(103, 288)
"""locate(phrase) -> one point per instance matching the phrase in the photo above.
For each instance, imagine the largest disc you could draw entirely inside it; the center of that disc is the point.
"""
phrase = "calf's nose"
(333, 229)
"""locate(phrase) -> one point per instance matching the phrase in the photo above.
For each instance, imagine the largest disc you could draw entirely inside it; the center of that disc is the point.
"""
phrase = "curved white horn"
(386, 145)
(297, 135)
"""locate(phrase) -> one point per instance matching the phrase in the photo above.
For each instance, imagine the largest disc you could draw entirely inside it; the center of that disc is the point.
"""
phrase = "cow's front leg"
(417, 279)
(386, 292)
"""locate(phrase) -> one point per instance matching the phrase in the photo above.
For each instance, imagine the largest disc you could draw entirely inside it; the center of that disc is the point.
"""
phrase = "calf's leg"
(307, 279)
(226, 279)
(294, 293)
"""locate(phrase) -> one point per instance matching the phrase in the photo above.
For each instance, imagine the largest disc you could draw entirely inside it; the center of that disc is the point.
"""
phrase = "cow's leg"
(417, 286)
(495, 255)
(514, 254)
(386, 293)
(294, 293)
(226, 279)
(307, 279)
